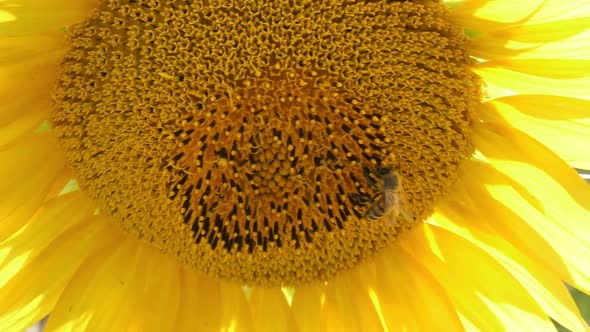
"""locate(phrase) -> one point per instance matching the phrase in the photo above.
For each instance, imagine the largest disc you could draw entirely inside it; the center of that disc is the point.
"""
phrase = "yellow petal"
(517, 225)
(484, 15)
(551, 233)
(24, 124)
(27, 17)
(270, 311)
(560, 123)
(55, 218)
(27, 77)
(410, 297)
(482, 290)
(471, 309)
(348, 305)
(32, 293)
(540, 171)
(127, 288)
(568, 38)
(498, 78)
(75, 310)
(28, 172)
(18, 48)
(200, 307)
(543, 285)
(551, 68)
(156, 291)
(62, 182)
(544, 107)
(307, 307)
(235, 312)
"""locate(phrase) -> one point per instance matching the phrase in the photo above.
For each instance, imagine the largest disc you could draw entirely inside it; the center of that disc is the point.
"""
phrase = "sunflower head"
(242, 138)
(226, 149)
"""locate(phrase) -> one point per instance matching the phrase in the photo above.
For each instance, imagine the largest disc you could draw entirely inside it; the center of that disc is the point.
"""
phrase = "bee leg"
(376, 210)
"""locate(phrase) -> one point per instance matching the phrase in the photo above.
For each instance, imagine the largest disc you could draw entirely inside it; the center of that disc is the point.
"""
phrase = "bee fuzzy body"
(383, 205)
(387, 203)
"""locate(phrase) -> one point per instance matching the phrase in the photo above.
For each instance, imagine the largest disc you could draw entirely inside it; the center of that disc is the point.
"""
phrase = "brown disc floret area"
(238, 136)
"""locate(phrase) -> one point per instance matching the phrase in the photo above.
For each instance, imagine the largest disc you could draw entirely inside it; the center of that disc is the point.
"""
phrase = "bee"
(390, 202)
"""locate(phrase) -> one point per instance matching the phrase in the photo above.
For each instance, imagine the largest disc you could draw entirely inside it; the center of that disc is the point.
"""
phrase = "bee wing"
(390, 200)
(403, 205)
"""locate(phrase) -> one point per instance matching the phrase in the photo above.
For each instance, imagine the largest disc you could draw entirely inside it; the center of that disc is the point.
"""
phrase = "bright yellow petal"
(526, 28)
(307, 307)
(27, 17)
(62, 181)
(155, 288)
(543, 285)
(551, 68)
(560, 123)
(551, 218)
(212, 305)
(200, 307)
(129, 288)
(500, 78)
(235, 312)
(568, 38)
(540, 171)
(270, 311)
(27, 75)
(472, 310)
(411, 299)
(55, 218)
(28, 172)
(515, 218)
(75, 309)
(348, 305)
(32, 293)
(486, 15)
(483, 291)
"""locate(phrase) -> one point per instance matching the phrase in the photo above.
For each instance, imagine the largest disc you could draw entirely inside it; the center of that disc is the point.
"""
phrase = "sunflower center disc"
(244, 137)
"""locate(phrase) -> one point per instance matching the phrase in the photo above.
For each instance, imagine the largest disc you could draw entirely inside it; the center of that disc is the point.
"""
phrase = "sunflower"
(293, 165)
